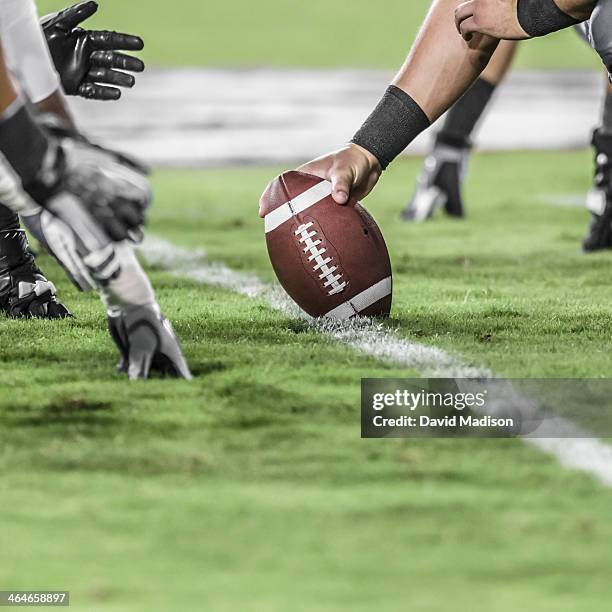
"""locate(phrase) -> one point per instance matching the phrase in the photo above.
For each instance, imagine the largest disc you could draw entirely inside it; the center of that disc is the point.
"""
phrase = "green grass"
(514, 271)
(319, 33)
(249, 488)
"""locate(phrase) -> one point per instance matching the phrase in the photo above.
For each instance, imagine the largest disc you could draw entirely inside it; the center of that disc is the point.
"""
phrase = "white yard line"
(376, 340)
(367, 337)
(588, 455)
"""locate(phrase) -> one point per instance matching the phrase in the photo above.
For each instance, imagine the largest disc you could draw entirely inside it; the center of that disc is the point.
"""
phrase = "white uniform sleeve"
(25, 49)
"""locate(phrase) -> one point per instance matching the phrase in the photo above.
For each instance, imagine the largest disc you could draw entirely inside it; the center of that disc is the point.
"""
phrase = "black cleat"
(24, 291)
(599, 199)
(440, 183)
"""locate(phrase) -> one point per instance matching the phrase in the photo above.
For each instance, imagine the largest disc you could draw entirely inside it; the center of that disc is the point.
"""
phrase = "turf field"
(249, 488)
(317, 33)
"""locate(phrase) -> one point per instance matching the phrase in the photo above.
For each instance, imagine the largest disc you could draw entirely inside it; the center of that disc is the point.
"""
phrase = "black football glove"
(88, 61)
(116, 197)
(57, 127)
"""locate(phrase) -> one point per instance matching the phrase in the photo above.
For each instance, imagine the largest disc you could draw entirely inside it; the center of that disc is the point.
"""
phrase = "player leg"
(440, 182)
(599, 199)
(437, 72)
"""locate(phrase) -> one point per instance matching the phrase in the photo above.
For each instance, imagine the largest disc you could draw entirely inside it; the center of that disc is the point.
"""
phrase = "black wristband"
(541, 17)
(33, 154)
(392, 126)
(23, 143)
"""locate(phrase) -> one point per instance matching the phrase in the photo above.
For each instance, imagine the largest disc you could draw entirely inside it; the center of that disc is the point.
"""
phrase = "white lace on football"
(328, 274)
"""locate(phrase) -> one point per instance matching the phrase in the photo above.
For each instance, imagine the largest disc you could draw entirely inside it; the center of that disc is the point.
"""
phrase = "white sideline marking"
(374, 339)
(585, 454)
(366, 336)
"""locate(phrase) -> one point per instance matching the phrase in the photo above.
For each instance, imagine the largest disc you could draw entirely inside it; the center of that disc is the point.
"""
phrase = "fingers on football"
(464, 20)
(77, 14)
(103, 40)
(341, 187)
(92, 91)
(366, 189)
(111, 59)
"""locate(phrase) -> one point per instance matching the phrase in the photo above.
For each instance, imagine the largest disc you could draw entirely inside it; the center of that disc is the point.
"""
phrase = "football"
(332, 260)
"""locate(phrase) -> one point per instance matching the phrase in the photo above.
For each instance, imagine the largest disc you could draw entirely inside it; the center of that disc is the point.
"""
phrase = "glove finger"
(91, 91)
(137, 235)
(115, 230)
(143, 345)
(178, 368)
(73, 16)
(112, 226)
(104, 40)
(125, 160)
(169, 359)
(111, 77)
(116, 328)
(132, 163)
(111, 59)
(129, 214)
(139, 365)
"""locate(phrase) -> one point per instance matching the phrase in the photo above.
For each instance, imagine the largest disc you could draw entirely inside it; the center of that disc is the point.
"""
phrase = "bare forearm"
(8, 90)
(441, 66)
(56, 104)
(520, 19)
(578, 9)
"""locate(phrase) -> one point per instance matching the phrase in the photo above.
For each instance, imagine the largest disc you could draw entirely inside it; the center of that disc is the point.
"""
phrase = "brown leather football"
(332, 260)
